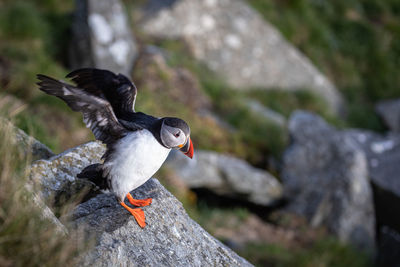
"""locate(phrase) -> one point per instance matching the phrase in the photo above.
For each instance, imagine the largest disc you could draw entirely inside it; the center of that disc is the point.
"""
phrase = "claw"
(139, 202)
(137, 213)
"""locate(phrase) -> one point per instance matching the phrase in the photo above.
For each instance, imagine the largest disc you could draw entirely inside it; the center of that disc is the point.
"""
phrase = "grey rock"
(237, 43)
(170, 238)
(29, 145)
(102, 37)
(226, 175)
(389, 111)
(383, 154)
(325, 177)
(57, 176)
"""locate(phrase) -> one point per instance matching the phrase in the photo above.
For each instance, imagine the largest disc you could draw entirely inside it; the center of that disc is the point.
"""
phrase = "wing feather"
(97, 112)
(117, 89)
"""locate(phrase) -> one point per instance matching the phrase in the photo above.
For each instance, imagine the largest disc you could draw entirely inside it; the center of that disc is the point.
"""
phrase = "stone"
(389, 111)
(226, 176)
(383, 155)
(102, 37)
(57, 176)
(235, 41)
(29, 145)
(170, 238)
(325, 178)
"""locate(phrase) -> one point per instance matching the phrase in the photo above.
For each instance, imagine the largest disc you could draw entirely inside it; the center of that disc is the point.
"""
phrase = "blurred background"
(294, 109)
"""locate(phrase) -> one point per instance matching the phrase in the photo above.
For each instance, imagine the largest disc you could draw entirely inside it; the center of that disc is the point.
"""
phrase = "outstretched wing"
(97, 112)
(117, 89)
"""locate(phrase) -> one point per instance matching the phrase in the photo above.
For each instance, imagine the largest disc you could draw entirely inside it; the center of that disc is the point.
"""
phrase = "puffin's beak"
(187, 149)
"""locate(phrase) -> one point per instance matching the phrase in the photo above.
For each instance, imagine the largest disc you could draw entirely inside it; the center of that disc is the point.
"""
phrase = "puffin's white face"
(172, 137)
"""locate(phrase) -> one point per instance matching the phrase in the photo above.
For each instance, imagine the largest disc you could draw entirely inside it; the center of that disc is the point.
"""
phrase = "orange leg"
(137, 213)
(139, 202)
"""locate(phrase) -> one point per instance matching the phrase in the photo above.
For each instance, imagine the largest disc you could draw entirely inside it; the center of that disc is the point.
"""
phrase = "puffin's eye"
(177, 134)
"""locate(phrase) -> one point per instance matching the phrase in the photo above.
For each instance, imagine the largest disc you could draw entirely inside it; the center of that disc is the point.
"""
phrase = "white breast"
(137, 157)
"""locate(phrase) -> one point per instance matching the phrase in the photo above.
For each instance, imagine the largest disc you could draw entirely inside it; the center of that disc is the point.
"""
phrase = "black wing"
(117, 89)
(97, 112)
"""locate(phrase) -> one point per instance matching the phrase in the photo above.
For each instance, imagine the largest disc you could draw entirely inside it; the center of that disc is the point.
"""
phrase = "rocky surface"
(389, 110)
(57, 176)
(235, 41)
(102, 36)
(383, 154)
(227, 176)
(325, 177)
(170, 238)
(29, 145)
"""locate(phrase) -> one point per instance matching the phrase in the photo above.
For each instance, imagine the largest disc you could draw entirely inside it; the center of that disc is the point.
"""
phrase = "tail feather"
(94, 173)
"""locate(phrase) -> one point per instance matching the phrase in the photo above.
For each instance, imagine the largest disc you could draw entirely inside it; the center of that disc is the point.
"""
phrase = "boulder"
(383, 154)
(57, 176)
(235, 41)
(170, 238)
(389, 111)
(101, 36)
(226, 176)
(325, 178)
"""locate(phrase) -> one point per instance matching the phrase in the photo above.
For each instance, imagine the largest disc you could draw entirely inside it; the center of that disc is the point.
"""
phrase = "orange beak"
(187, 149)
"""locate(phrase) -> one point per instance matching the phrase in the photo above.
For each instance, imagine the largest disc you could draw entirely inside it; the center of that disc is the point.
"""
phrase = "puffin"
(137, 144)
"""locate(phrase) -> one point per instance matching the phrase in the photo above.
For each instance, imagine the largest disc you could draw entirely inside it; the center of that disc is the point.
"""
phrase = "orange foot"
(139, 202)
(137, 213)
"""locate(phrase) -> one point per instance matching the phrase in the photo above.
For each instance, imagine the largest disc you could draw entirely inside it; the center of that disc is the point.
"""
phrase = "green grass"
(34, 39)
(356, 43)
(26, 238)
(326, 252)
(31, 36)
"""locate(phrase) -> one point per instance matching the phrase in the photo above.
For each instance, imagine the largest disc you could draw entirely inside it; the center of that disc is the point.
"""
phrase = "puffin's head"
(175, 133)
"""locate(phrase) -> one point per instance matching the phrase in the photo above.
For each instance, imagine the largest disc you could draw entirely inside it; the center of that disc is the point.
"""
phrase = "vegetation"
(356, 43)
(324, 252)
(33, 40)
(26, 238)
